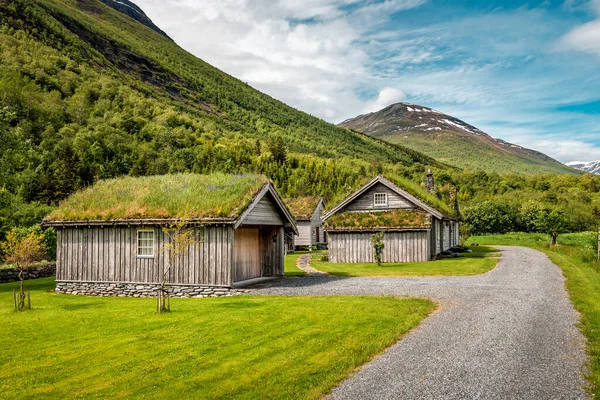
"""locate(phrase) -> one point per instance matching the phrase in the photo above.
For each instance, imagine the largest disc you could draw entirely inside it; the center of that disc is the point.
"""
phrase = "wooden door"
(247, 254)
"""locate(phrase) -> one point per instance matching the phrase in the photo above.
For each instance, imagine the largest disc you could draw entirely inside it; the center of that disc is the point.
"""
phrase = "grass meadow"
(243, 347)
(481, 260)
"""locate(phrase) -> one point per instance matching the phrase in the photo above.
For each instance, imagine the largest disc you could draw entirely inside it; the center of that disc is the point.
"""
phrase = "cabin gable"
(264, 212)
(316, 217)
(366, 201)
(316, 226)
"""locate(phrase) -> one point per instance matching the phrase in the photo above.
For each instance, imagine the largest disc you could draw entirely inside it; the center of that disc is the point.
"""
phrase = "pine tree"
(257, 148)
(278, 149)
(66, 174)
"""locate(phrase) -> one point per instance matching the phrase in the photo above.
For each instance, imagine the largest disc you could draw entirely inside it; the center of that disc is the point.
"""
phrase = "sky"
(526, 72)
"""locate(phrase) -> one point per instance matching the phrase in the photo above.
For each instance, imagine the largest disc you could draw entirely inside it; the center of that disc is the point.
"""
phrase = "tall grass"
(418, 191)
(302, 207)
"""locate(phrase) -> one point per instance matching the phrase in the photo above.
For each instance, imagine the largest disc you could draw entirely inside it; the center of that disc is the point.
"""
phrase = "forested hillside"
(88, 93)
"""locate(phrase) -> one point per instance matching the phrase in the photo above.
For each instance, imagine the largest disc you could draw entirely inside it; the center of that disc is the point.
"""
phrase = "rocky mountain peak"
(451, 139)
(592, 167)
(132, 10)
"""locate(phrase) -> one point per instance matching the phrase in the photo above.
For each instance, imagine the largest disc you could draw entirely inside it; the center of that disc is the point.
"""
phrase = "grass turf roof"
(180, 196)
(302, 207)
(419, 192)
(378, 220)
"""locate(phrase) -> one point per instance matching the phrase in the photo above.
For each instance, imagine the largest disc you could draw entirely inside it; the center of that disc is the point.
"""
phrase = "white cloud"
(565, 150)
(497, 70)
(585, 38)
(386, 97)
(307, 54)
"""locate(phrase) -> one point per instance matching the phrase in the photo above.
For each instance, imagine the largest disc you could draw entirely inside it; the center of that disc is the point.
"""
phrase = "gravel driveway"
(509, 333)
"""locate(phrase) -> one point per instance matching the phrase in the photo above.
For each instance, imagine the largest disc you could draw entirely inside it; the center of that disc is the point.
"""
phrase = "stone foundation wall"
(142, 290)
(42, 271)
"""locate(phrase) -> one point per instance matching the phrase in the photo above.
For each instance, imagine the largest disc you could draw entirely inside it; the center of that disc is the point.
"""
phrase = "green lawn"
(575, 254)
(238, 347)
(289, 266)
(483, 259)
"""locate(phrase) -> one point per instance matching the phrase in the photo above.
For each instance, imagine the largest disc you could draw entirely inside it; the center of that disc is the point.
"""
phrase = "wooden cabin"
(413, 229)
(307, 211)
(110, 238)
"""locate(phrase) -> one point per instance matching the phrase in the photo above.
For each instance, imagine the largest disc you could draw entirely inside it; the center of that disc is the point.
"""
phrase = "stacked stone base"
(41, 271)
(143, 290)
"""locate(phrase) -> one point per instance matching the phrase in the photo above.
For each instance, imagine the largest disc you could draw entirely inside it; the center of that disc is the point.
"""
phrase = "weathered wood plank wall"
(272, 250)
(438, 236)
(354, 247)
(305, 235)
(317, 224)
(432, 239)
(247, 264)
(109, 254)
(307, 229)
(455, 233)
(446, 229)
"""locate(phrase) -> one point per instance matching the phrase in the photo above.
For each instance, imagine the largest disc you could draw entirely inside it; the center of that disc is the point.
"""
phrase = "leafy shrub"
(378, 245)
(47, 238)
(490, 217)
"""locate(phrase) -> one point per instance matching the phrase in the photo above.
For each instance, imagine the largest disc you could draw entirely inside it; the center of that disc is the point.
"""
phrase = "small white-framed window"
(145, 243)
(380, 200)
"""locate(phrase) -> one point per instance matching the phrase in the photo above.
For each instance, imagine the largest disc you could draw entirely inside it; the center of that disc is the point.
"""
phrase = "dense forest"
(86, 93)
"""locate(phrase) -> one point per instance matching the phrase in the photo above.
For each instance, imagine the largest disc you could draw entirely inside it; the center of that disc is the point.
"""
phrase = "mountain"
(451, 140)
(591, 167)
(87, 92)
(132, 10)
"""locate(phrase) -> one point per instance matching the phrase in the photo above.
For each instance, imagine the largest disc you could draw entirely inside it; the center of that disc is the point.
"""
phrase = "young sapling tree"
(178, 238)
(464, 233)
(23, 252)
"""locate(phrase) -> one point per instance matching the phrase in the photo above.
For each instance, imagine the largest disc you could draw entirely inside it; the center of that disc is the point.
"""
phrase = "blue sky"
(526, 72)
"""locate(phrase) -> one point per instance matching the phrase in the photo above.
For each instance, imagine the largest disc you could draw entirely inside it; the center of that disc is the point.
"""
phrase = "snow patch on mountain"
(592, 167)
(126, 5)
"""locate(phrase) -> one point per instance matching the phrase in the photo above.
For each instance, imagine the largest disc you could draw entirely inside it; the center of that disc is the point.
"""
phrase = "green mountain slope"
(87, 92)
(451, 140)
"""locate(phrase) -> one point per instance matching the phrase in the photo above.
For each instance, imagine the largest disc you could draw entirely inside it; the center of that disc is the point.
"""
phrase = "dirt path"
(509, 333)
(304, 264)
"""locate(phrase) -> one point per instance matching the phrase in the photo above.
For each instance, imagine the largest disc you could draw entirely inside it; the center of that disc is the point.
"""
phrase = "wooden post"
(15, 299)
(158, 300)
(28, 300)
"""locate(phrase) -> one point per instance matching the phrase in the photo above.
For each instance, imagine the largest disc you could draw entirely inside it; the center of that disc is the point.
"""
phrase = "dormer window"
(380, 200)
